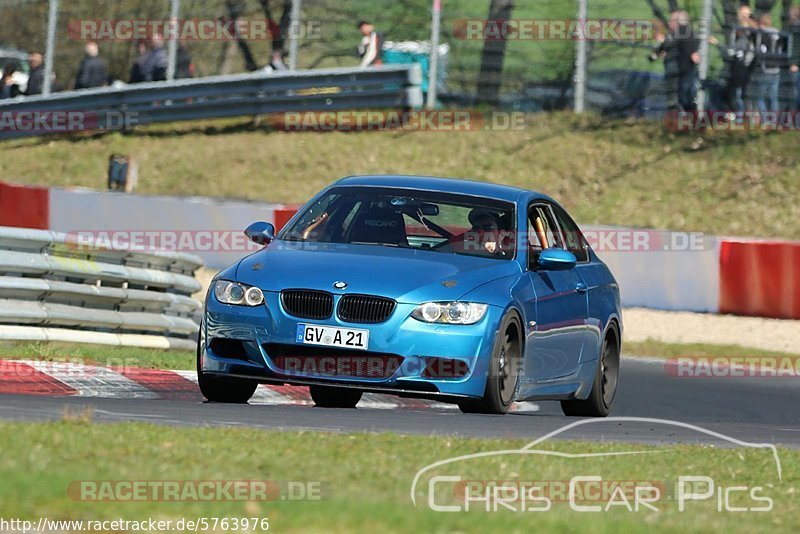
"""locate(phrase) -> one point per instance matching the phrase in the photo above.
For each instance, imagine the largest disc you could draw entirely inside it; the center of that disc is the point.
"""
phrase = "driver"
(485, 230)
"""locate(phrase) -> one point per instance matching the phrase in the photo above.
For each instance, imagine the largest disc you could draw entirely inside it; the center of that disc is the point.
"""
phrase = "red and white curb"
(60, 379)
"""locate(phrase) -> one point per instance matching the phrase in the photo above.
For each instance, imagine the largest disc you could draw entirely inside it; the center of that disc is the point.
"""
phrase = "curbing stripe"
(20, 378)
(94, 381)
(68, 378)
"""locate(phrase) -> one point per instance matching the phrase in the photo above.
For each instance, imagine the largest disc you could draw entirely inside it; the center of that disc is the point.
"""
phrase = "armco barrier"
(55, 288)
(108, 108)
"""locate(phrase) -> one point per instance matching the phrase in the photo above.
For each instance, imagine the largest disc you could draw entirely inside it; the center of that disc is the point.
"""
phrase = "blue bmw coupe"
(465, 292)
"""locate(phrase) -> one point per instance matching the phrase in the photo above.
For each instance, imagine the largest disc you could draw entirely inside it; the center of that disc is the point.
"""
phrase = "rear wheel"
(600, 401)
(501, 384)
(220, 388)
(333, 397)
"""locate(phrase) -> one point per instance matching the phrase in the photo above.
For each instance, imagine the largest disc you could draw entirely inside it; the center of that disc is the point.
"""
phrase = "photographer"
(679, 49)
(768, 68)
(740, 55)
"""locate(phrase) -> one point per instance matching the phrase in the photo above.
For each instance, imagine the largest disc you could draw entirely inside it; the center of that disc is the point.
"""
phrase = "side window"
(576, 243)
(543, 233)
(313, 221)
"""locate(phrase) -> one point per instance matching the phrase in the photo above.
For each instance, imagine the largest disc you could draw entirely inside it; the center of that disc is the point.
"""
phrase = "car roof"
(446, 185)
(7, 52)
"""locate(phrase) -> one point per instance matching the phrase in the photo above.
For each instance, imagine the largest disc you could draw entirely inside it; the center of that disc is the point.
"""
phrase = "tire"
(333, 397)
(601, 400)
(221, 389)
(501, 384)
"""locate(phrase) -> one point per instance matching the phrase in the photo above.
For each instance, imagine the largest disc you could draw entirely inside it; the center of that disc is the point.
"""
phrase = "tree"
(490, 77)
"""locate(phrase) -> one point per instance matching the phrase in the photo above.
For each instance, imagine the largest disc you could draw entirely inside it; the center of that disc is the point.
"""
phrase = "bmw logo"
(339, 285)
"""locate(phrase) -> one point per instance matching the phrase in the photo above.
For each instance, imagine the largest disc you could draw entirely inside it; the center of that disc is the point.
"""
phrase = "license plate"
(331, 336)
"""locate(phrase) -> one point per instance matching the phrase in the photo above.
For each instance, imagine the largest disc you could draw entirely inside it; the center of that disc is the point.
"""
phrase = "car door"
(558, 304)
(595, 275)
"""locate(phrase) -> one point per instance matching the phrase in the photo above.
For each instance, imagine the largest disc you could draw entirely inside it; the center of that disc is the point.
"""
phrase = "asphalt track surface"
(762, 410)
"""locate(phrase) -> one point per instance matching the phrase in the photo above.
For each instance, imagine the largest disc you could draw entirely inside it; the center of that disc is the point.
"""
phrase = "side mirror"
(557, 259)
(260, 233)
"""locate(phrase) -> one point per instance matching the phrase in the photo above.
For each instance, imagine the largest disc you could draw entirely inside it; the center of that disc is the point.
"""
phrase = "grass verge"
(627, 173)
(98, 355)
(658, 349)
(366, 479)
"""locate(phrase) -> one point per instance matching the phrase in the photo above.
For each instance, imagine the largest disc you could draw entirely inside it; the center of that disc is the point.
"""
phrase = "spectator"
(155, 65)
(370, 49)
(276, 34)
(184, 68)
(681, 58)
(794, 28)
(36, 75)
(741, 56)
(276, 61)
(7, 82)
(768, 68)
(137, 69)
(92, 71)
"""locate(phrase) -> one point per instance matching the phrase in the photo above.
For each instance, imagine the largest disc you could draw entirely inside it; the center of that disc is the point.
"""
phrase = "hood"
(406, 275)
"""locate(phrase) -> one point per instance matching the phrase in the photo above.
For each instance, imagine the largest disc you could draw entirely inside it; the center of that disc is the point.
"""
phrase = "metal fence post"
(705, 31)
(294, 31)
(433, 70)
(174, 25)
(580, 58)
(50, 47)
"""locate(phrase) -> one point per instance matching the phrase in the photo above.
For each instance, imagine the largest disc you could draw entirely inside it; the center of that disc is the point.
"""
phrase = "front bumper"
(242, 341)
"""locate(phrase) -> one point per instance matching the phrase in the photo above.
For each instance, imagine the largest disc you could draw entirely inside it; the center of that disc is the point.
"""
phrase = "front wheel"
(220, 388)
(601, 400)
(501, 384)
(333, 397)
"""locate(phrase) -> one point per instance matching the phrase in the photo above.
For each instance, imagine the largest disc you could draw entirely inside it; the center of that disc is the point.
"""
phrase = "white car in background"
(19, 59)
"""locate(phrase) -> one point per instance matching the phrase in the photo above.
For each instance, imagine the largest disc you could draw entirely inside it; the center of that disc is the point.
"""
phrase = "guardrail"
(53, 288)
(391, 86)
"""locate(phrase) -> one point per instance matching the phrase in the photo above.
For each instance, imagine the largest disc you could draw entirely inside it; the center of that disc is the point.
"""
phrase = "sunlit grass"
(605, 171)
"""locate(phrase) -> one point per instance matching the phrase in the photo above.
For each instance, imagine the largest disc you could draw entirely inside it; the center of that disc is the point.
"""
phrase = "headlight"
(450, 312)
(228, 292)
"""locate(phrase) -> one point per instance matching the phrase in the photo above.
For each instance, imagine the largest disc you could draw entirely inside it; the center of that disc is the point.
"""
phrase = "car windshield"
(404, 218)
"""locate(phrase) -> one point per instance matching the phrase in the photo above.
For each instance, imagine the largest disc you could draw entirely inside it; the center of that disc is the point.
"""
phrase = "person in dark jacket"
(7, 82)
(155, 65)
(739, 56)
(137, 74)
(184, 68)
(680, 50)
(36, 75)
(92, 71)
(768, 69)
(794, 60)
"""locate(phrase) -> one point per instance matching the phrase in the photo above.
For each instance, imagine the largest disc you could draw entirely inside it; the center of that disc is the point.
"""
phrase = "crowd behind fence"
(634, 59)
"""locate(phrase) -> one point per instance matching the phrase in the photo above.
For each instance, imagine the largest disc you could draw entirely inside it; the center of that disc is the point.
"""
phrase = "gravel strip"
(686, 327)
